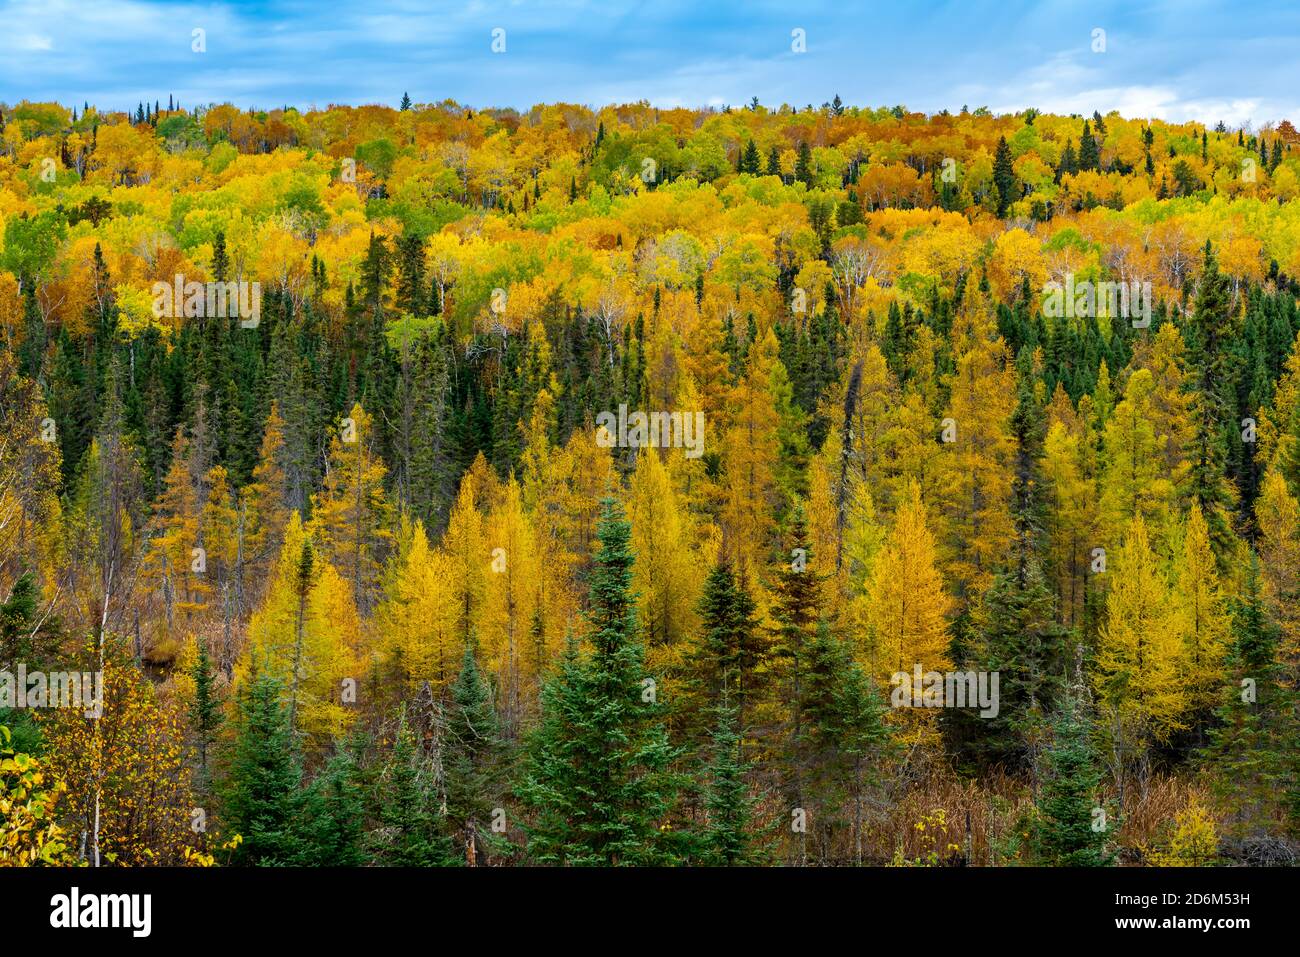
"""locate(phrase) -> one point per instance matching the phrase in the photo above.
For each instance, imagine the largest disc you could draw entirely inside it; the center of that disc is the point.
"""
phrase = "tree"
(1068, 835)
(332, 815)
(907, 604)
(728, 838)
(1209, 333)
(597, 776)
(260, 796)
(729, 649)
(205, 709)
(1004, 177)
(352, 510)
(471, 758)
(1203, 618)
(409, 834)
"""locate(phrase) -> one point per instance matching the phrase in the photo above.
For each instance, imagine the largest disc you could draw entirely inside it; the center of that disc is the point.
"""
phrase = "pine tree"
(1004, 177)
(597, 777)
(729, 838)
(260, 797)
(470, 758)
(1067, 835)
(409, 834)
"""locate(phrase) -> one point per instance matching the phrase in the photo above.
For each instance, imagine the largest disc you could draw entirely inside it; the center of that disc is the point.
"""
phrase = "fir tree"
(597, 777)
(1066, 834)
(260, 797)
(470, 758)
(728, 838)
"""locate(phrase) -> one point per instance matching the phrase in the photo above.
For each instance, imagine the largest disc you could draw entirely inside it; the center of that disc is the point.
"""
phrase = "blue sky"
(1177, 60)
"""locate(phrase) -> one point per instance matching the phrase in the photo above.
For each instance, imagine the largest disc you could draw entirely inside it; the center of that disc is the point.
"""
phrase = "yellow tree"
(749, 456)
(907, 605)
(1071, 522)
(176, 563)
(1134, 480)
(416, 620)
(511, 591)
(1278, 515)
(1138, 672)
(307, 632)
(467, 550)
(129, 790)
(1202, 615)
(352, 511)
(265, 501)
(666, 574)
(979, 489)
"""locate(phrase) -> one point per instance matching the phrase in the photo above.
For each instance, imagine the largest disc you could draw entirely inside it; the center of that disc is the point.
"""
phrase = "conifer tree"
(729, 839)
(471, 757)
(598, 778)
(409, 834)
(1067, 835)
(260, 797)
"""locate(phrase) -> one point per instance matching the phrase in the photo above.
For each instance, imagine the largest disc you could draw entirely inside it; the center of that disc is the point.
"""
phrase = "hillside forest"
(428, 485)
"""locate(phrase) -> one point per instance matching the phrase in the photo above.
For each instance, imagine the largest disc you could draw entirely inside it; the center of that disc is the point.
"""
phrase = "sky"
(1178, 60)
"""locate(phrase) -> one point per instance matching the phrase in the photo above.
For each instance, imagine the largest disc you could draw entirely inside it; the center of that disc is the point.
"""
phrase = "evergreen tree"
(728, 838)
(597, 777)
(1066, 835)
(1004, 177)
(205, 711)
(803, 166)
(471, 756)
(333, 815)
(260, 797)
(1089, 152)
(409, 834)
(1209, 335)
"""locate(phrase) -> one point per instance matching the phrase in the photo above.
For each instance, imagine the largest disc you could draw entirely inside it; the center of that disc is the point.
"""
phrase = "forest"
(751, 485)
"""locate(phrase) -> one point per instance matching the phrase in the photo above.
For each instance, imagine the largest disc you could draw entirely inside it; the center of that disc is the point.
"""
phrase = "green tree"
(598, 776)
(471, 756)
(1069, 835)
(729, 838)
(260, 796)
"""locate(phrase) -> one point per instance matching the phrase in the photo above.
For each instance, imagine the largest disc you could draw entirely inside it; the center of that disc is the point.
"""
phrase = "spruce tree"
(1209, 336)
(471, 756)
(729, 838)
(260, 797)
(1066, 834)
(803, 166)
(333, 816)
(728, 649)
(409, 834)
(1004, 177)
(205, 711)
(597, 777)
